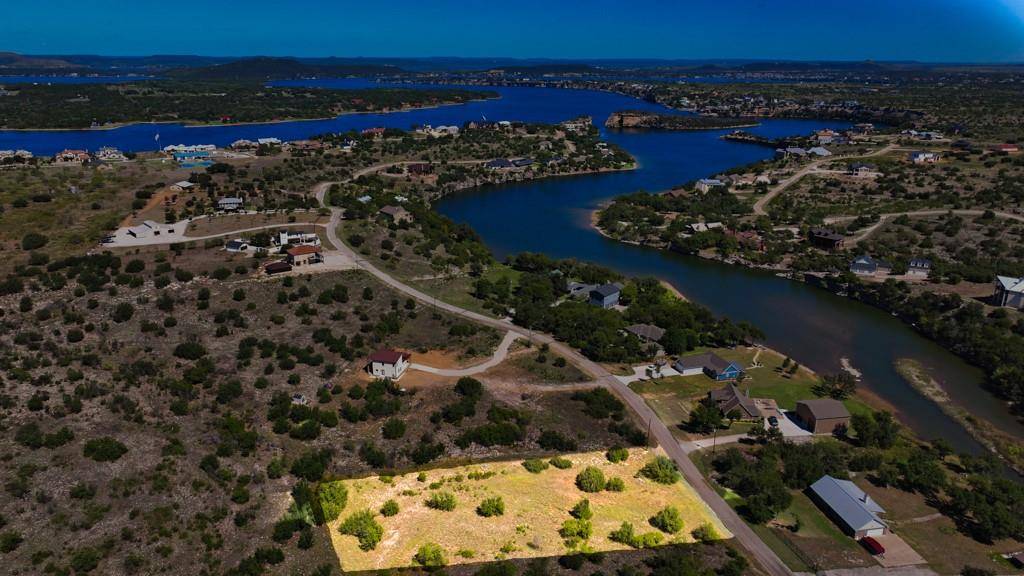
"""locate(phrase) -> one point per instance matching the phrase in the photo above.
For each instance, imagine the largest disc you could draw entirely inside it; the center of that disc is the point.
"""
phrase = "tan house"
(396, 214)
(305, 255)
(822, 415)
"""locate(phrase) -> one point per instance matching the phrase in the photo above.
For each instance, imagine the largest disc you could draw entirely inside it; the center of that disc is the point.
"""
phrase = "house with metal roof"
(1009, 292)
(849, 507)
(230, 204)
(706, 184)
(919, 267)
(822, 415)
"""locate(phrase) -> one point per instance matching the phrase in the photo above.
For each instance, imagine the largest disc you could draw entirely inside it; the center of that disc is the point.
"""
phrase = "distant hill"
(12, 61)
(266, 68)
(567, 68)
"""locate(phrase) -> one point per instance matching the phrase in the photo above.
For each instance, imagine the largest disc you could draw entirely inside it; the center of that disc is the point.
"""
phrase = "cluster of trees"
(79, 105)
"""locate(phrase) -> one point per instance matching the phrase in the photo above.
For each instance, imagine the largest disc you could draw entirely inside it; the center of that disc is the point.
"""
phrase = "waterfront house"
(706, 184)
(606, 296)
(110, 154)
(1009, 292)
(268, 141)
(819, 151)
(230, 204)
(865, 265)
(388, 364)
(920, 157)
(577, 289)
(376, 132)
(243, 144)
(396, 214)
(499, 164)
(522, 162)
(822, 415)
(71, 157)
(646, 332)
(182, 186)
(305, 255)
(729, 398)
(826, 239)
(919, 267)
(697, 227)
(579, 125)
(849, 506)
(710, 364)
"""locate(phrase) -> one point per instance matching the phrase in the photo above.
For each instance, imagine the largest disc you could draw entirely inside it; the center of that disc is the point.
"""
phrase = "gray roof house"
(865, 265)
(709, 363)
(230, 204)
(606, 296)
(730, 398)
(646, 332)
(849, 506)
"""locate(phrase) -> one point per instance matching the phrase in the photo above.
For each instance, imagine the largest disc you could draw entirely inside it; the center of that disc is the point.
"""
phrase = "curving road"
(883, 218)
(761, 204)
(657, 429)
(499, 356)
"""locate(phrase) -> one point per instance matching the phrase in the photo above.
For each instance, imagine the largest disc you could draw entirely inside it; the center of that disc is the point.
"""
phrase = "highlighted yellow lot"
(536, 505)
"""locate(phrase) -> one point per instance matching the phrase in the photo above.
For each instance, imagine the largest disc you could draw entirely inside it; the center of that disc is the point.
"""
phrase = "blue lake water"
(552, 216)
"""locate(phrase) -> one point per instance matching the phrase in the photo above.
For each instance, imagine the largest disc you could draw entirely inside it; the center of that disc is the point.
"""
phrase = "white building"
(182, 186)
(297, 238)
(706, 184)
(150, 228)
(389, 364)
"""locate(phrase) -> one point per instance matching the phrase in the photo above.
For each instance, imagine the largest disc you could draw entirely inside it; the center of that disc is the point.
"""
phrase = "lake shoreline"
(982, 430)
(198, 124)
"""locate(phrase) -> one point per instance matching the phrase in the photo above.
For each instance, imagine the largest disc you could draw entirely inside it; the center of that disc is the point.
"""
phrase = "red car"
(873, 546)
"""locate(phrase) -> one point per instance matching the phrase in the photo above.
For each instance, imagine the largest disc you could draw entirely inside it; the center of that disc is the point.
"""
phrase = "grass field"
(536, 505)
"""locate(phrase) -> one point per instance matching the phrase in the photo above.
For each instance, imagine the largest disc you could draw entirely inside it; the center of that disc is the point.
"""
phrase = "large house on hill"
(1009, 292)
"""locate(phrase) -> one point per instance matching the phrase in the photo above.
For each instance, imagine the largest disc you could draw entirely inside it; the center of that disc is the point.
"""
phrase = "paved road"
(499, 356)
(762, 203)
(761, 553)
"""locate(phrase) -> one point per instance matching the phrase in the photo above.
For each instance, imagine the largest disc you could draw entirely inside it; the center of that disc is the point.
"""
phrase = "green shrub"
(104, 449)
(33, 241)
(561, 463)
(430, 555)
(661, 470)
(493, 506)
(554, 440)
(363, 526)
(444, 501)
(575, 530)
(591, 479)
(668, 520)
(615, 485)
(705, 533)
(627, 535)
(617, 454)
(333, 497)
(389, 509)
(582, 511)
(535, 465)
(9, 541)
(394, 428)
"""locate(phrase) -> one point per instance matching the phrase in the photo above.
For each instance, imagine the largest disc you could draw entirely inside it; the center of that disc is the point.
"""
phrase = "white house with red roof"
(388, 363)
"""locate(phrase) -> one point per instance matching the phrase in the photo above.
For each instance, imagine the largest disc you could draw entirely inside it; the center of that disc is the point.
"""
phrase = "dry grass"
(536, 505)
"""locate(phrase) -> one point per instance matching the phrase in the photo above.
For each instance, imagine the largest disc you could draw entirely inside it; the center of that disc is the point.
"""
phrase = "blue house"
(606, 296)
(712, 365)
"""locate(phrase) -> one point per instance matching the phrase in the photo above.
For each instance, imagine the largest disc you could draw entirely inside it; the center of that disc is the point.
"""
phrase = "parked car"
(873, 546)
(773, 421)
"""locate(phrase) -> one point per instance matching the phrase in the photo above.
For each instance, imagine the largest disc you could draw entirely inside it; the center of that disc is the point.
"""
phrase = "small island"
(655, 121)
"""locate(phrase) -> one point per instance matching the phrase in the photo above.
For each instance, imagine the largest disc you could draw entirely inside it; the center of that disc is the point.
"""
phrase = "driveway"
(499, 356)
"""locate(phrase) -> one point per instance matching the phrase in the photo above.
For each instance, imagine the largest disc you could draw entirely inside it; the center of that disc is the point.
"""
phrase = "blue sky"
(927, 30)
